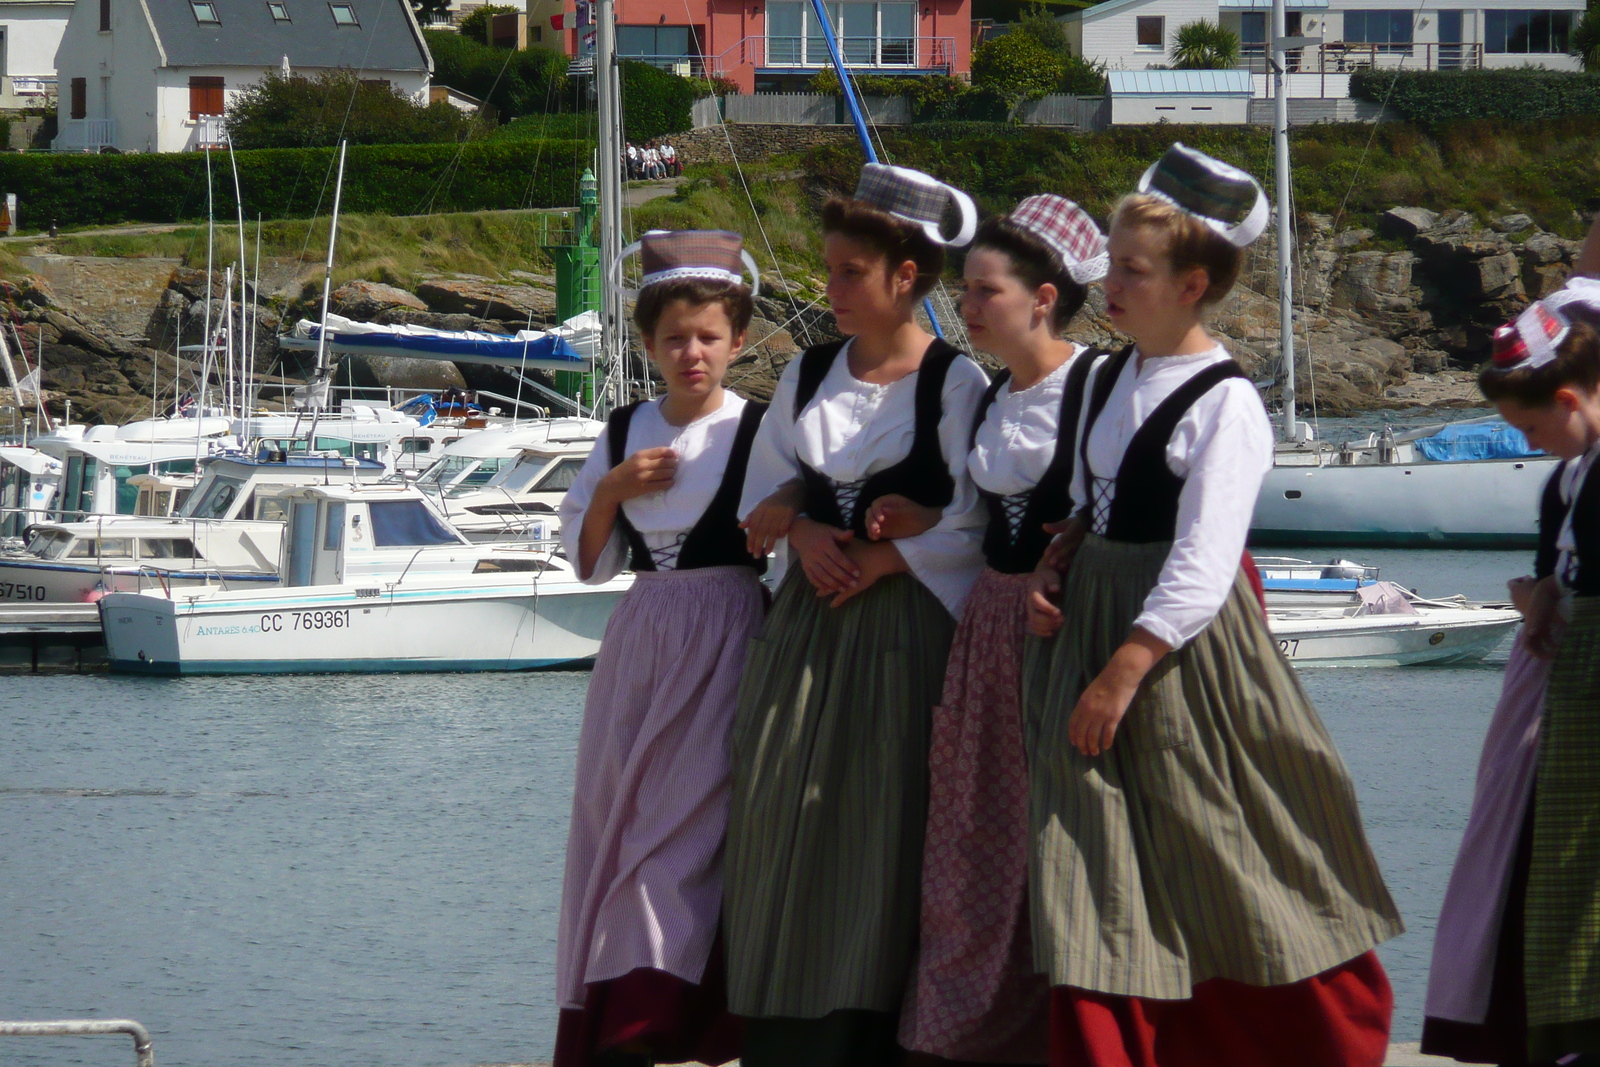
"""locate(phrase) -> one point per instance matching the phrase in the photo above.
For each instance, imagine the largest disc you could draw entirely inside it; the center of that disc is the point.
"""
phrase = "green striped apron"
(830, 785)
(1562, 924)
(1219, 836)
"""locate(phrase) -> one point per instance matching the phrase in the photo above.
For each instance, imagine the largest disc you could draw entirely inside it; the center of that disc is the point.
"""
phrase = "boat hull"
(510, 627)
(42, 582)
(1474, 504)
(1436, 637)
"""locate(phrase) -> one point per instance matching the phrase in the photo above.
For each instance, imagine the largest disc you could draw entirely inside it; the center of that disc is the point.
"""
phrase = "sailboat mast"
(608, 170)
(327, 277)
(1280, 139)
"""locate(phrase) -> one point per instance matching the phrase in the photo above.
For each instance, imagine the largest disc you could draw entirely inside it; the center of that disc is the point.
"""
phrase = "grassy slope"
(1545, 169)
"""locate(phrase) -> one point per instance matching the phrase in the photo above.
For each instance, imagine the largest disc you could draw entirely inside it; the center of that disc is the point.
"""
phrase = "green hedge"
(292, 182)
(1433, 97)
(656, 101)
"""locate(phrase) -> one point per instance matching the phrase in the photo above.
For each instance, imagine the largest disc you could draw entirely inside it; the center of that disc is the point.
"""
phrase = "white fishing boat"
(375, 580)
(1437, 633)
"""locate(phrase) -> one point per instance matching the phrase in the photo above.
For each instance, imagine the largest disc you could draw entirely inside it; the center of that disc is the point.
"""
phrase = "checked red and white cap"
(1069, 232)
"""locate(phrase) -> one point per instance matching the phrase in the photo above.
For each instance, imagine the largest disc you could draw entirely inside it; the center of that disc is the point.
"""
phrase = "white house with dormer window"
(156, 75)
(1132, 35)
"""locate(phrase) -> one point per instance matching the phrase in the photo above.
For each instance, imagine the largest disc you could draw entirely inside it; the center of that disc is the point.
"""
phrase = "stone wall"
(756, 142)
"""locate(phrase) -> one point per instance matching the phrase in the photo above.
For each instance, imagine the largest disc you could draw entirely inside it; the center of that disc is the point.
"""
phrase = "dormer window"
(205, 12)
(343, 15)
(280, 12)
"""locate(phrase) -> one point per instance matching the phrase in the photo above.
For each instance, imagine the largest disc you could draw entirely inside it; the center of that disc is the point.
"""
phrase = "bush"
(475, 26)
(1037, 22)
(1083, 77)
(1586, 39)
(530, 82)
(655, 101)
(1438, 96)
(295, 112)
(1205, 45)
(1017, 67)
(78, 190)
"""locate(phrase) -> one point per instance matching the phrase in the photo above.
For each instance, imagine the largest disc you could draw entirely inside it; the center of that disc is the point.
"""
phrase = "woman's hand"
(894, 516)
(873, 561)
(821, 549)
(1044, 589)
(1521, 591)
(1103, 704)
(649, 470)
(772, 519)
(1541, 618)
(1063, 547)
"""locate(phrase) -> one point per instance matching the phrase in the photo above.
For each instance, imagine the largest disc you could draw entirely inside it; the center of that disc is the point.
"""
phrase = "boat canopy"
(1488, 439)
(569, 346)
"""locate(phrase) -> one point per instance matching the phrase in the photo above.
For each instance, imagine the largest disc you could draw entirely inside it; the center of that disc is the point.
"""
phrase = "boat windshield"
(92, 548)
(49, 544)
(166, 548)
(215, 501)
(407, 523)
(560, 477)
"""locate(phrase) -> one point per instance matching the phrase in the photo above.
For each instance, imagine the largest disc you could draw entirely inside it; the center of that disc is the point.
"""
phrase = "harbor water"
(364, 871)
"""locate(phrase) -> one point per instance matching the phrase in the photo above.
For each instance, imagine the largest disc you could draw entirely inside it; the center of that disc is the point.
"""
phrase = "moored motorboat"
(375, 580)
(1434, 635)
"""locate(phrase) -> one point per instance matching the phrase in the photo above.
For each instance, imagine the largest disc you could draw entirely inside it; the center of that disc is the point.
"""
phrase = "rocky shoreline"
(1389, 318)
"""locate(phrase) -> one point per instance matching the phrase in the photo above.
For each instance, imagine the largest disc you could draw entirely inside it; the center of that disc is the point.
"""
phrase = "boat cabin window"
(49, 544)
(216, 500)
(272, 508)
(333, 533)
(410, 446)
(405, 523)
(560, 477)
(166, 548)
(101, 548)
(127, 495)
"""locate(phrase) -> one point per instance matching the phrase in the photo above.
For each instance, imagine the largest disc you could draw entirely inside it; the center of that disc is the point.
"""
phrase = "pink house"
(778, 46)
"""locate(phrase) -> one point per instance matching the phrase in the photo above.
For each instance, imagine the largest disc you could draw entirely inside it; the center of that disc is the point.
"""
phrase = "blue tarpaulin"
(1476, 440)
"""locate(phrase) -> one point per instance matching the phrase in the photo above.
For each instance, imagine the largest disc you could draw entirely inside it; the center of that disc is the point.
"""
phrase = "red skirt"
(676, 1021)
(1339, 1018)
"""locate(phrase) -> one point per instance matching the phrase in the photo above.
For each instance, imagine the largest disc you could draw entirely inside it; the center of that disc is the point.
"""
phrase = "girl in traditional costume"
(639, 961)
(1516, 958)
(865, 443)
(1203, 891)
(976, 995)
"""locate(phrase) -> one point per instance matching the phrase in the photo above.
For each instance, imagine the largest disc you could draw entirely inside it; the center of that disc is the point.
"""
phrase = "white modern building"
(1133, 35)
(156, 75)
(30, 33)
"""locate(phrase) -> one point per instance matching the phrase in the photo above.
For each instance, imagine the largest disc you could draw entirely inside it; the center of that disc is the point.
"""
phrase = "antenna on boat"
(1280, 139)
(859, 120)
(238, 202)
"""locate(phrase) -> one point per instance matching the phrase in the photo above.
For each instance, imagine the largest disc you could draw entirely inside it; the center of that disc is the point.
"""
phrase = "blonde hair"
(1191, 244)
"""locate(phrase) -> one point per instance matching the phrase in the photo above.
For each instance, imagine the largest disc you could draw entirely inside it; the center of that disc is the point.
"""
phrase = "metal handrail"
(143, 1048)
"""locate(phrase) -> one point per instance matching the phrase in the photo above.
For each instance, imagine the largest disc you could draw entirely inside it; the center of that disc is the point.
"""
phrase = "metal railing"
(142, 1046)
(85, 135)
(1346, 57)
(207, 133)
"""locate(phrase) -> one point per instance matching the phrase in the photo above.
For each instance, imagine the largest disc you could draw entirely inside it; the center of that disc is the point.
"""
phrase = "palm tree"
(1205, 45)
(1585, 43)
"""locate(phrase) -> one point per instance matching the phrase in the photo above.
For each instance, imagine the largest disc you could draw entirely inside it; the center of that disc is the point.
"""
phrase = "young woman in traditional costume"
(976, 995)
(1203, 891)
(865, 443)
(1515, 955)
(639, 962)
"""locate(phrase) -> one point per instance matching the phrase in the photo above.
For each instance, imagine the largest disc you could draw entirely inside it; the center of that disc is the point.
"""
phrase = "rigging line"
(446, 176)
(1338, 215)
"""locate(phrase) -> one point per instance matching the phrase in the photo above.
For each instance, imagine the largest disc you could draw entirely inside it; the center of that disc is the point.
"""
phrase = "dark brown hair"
(897, 239)
(1191, 243)
(733, 296)
(1577, 363)
(1034, 263)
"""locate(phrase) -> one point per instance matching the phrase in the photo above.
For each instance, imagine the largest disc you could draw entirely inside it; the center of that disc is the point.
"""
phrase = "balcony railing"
(883, 53)
(85, 135)
(1345, 57)
(207, 133)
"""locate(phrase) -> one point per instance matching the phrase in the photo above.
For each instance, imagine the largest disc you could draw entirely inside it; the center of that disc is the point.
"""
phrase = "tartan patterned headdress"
(1531, 339)
(1223, 197)
(667, 255)
(917, 197)
(1069, 232)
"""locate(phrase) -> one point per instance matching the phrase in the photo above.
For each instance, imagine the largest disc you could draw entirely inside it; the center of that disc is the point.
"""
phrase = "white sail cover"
(569, 346)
